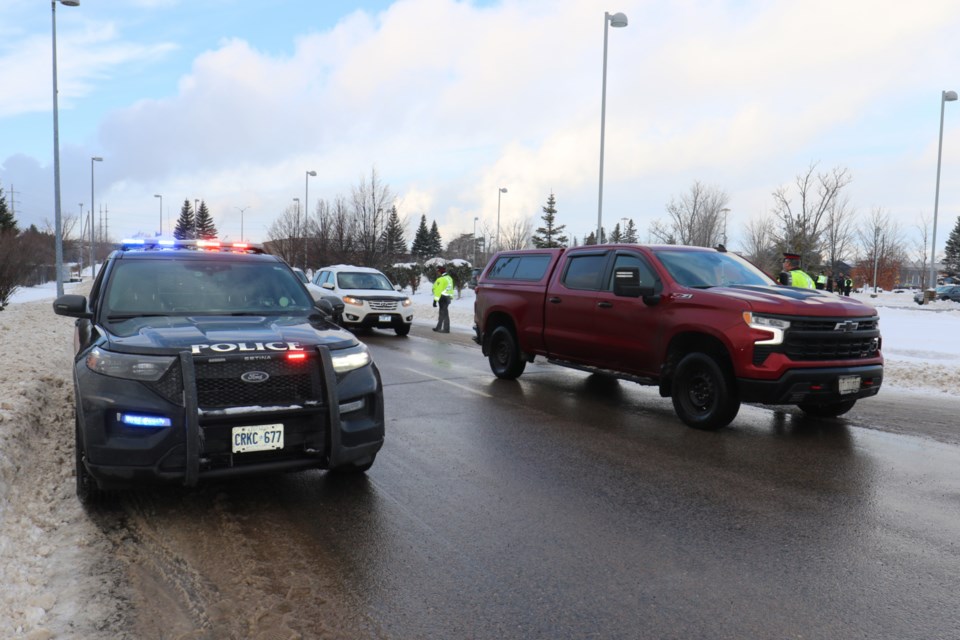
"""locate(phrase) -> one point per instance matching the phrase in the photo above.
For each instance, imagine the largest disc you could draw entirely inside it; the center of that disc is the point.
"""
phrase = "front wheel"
(505, 359)
(704, 395)
(827, 410)
(402, 329)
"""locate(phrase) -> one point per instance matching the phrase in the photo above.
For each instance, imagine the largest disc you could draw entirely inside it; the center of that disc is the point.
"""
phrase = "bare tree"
(371, 203)
(516, 235)
(802, 220)
(838, 233)
(696, 218)
(921, 250)
(882, 253)
(285, 235)
(759, 247)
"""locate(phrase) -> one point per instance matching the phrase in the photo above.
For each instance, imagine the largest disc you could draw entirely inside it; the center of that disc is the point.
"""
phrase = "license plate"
(849, 384)
(386, 318)
(261, 437)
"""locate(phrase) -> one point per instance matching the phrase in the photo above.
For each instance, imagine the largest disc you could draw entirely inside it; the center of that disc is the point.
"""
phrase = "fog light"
(356, 405)
(141, 420)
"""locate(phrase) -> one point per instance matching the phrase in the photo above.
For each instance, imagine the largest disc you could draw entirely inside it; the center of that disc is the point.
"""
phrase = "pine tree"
(615, 235)
(421, 241)
(206, 229)
(436, 243)
(185, 228)
(7, 222)
(550, 235)
(630, 233)
(951, 251)
(394, 244)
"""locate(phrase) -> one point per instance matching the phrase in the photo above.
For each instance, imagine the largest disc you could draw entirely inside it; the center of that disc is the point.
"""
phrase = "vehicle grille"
(219, 382)
(821, 339)
(382, 305)
(170, 386)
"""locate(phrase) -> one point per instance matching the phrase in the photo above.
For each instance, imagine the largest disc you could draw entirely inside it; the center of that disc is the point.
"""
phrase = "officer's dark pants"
(443, 321)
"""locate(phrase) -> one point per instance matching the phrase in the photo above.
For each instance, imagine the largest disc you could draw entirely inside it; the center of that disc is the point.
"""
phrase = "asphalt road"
(564, 505)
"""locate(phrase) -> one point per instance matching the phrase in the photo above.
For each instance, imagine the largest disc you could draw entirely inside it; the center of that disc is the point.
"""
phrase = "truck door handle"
(605, 305)
(554, 300)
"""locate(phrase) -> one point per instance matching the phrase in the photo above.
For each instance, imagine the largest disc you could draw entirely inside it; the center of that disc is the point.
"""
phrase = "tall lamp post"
(58, 233)
(500, 190)
(306, 209)
(297, 200)
(196, 210)
(241, 210)
(92, 214)
(615, 20)
(475, 218)
(724, 211)
(945, 97)
(157, 195)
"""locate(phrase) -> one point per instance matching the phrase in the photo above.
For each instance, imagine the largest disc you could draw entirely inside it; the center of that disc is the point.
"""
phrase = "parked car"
(369, 299)
(942, 292)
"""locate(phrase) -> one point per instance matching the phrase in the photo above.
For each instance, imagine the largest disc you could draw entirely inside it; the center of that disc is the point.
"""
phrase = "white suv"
(369, 298)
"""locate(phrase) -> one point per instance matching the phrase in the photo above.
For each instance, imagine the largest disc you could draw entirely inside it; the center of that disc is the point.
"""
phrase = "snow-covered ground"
(52, 580)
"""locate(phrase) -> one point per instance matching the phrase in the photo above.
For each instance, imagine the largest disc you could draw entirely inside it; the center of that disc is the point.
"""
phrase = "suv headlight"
(774, 326)
(407, 302)
(349, 359)
(357, 302)
(127, 365)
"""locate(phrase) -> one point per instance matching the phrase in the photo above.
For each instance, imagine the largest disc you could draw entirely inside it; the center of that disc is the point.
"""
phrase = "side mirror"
(626, 284)
(71, 305)
(327, 285)
(324, 305)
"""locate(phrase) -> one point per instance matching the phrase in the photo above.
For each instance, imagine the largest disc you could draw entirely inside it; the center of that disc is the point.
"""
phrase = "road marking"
(453, 384)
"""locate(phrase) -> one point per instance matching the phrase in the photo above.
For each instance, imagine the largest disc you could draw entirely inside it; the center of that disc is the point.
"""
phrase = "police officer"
(442, 295)
(822, 280)
(792, 275)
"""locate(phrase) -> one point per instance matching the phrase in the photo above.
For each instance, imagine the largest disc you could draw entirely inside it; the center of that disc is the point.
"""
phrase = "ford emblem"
(255, 376)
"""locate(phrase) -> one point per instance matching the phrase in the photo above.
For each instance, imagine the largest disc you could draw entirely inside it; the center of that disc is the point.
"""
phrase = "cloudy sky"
(232, 101)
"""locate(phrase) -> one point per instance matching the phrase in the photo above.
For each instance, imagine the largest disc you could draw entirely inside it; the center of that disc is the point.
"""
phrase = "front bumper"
(343, 424)
(819, 385)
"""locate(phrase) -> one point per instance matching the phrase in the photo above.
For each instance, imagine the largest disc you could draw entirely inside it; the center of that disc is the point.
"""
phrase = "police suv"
(198, 360)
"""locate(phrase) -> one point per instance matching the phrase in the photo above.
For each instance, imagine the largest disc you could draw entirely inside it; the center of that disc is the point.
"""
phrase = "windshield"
(703, 269)
(170, 287)
(363, 280)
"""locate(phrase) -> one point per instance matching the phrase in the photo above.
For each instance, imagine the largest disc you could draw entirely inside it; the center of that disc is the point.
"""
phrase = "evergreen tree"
(630, 233)
(185, 223)
(394, 244)
(436, 243)
(615, 235)
(421, 241)
(951, 251)
(206, 230)
(550, 236)
(7, 222)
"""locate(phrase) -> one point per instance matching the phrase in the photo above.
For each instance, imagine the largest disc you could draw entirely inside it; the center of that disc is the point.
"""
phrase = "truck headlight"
(773, 326)
(350, 359)
(127, 365)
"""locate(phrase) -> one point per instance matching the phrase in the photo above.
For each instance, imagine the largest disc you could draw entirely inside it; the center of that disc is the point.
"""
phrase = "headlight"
(407, 302)
(350, 359)
(129, 366)
(773, 326)
(357, 302)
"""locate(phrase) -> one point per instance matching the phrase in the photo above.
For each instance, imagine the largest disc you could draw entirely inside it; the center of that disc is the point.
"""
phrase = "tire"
(505, 359)
(402, 329)
(832, 410)
(88, 491)
(703, 392)
(353, 468)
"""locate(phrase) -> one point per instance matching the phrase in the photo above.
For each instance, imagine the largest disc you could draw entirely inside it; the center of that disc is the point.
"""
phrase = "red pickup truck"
(706, 326)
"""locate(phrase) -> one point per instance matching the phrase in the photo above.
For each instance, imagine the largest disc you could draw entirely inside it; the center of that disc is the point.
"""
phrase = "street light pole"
(499, 191)
(475, 218)
(58, 232)
(242, 209)
(945, 97)
(724, 211)
(92, 160)
(615, 20)
(196, 210)
(157, 195)
(306, 209)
